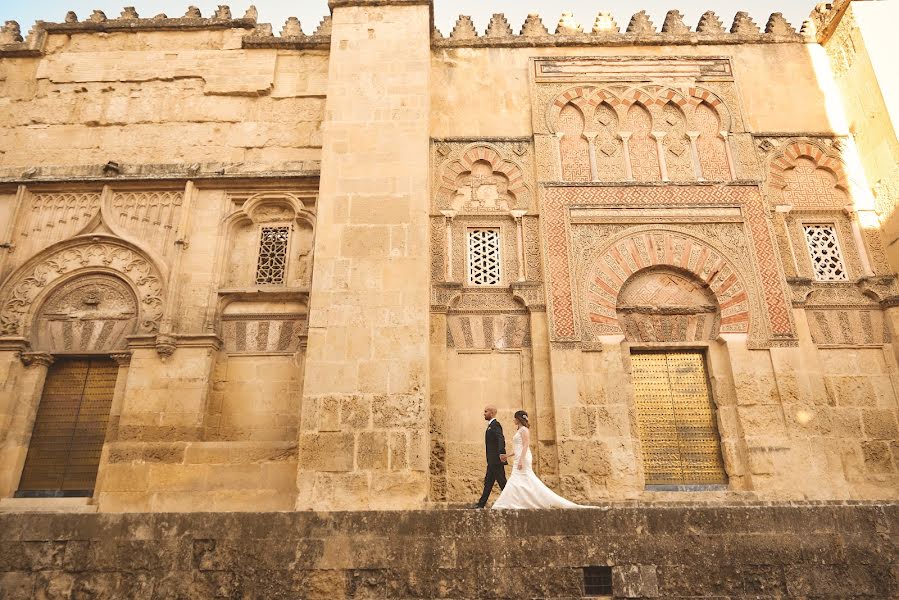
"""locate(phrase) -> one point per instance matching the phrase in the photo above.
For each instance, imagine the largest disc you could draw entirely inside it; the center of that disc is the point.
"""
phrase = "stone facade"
(314, 258)
(733, 552)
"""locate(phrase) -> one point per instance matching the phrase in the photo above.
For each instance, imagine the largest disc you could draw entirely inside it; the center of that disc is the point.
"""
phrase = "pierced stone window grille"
(483, 257)
(824, 248)
(272, 262)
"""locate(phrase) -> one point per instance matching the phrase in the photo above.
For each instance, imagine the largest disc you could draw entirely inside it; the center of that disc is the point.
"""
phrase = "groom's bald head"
(489, 412)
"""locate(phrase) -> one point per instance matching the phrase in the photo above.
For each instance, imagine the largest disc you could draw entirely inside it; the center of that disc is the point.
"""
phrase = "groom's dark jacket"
(495, 442)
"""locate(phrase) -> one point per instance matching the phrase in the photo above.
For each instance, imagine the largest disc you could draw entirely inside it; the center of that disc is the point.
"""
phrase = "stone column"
(660, 148)
(363, 441)
(22, 376)
(852, 215)
(694, 153)
(626, 146)
(449, 215)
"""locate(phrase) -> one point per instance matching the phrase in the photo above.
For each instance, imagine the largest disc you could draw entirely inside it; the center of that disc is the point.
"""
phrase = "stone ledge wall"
(670, 551)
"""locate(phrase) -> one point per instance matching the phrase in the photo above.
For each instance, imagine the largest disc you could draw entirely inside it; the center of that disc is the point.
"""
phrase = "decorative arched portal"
(74, 304)
(670, 295)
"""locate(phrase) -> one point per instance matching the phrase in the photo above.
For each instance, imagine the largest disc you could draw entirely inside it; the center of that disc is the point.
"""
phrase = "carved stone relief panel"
(482, 176)
(745, 270)
(488, 331)
(847, 327)
(608, 145)
(676, 145)
(710, 144)
(50, 217)
(533, 264)
(642, 146)
(573, 145)
(666, 305)
(263, 333)
(149, 216)
(438, 248)
(805, 173)
(660, 260)
(98, 254)
(607, 129)
(91, 313)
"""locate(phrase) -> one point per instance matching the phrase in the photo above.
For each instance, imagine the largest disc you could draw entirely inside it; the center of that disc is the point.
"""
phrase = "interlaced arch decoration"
(689, 126)
(807, 176)
(635, 253)
(481, 178)
(25, 291)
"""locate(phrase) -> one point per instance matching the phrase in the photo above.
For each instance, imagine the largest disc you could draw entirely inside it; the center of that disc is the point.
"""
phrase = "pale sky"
(310, 12)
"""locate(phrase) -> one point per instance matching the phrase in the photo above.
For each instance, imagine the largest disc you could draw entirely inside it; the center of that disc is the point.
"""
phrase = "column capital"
(34, 359)
(121, 358)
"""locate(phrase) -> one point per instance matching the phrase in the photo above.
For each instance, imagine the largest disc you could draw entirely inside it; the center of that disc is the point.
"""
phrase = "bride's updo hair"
(522, 417)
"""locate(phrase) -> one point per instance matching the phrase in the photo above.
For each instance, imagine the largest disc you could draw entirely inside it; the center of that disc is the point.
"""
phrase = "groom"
(496, 455)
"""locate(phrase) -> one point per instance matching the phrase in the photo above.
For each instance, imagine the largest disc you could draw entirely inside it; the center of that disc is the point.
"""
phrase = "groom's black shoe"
(475, 505)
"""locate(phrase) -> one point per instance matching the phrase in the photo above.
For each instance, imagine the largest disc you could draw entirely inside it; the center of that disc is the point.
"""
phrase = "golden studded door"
(70, 427)
(678, 431)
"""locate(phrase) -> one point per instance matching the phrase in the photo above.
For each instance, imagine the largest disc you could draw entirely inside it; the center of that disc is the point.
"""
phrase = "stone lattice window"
(272, 261)
(483, 257)
(827, 260)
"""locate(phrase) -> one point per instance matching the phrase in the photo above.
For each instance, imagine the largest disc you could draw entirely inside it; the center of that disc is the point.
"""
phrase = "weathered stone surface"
(672, 552)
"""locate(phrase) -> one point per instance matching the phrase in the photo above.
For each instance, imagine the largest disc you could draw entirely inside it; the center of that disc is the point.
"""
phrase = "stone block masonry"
(369, 319)
(761, 551)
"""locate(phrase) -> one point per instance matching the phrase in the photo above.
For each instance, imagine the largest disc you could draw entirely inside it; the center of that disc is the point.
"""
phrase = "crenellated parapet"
(13, 44)
(130, 20)
(258, 35)
(292, 36)
(640, 30)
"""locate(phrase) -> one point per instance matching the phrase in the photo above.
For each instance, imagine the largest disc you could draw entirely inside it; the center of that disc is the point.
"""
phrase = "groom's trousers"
(495, 474)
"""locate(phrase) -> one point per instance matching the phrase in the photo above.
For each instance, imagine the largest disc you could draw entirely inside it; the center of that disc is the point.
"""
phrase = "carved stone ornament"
(122, 358)
(36, 359)
(166, 345)
(444, 295)
(92, 313)
(531, 294)
(745, 276)
(23, 291)
(481, 177)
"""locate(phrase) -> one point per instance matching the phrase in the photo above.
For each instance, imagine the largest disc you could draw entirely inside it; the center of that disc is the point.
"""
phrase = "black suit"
(495, 444)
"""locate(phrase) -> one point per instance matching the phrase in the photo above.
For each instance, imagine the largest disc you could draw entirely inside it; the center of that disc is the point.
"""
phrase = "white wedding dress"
(524, 489)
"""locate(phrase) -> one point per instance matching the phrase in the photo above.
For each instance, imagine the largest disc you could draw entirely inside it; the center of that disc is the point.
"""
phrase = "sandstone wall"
(778, 86)
(672, 552)
(640, 188)
(161, 98)
(791, 409)
(855, 37)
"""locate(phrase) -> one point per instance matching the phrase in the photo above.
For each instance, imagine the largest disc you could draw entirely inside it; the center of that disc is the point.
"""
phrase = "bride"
(524, 489)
